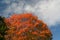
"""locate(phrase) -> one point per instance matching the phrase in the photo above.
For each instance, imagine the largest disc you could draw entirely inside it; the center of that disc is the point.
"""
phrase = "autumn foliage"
(26, 27)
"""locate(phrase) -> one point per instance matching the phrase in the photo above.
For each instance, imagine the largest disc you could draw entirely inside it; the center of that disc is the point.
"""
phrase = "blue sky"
(46, 10)
(56, 32)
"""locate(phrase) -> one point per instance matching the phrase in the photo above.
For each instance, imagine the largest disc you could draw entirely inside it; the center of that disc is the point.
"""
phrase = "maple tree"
(26, 27)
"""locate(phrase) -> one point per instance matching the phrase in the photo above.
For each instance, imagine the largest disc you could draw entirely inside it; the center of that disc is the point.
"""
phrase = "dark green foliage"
(3, 28)
(2, 38)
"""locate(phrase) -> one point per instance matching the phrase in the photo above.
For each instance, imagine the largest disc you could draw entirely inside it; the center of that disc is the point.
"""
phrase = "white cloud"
(51, 11)
(46, 10)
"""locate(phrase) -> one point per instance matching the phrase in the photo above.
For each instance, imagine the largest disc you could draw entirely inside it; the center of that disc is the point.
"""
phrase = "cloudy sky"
(46, 10)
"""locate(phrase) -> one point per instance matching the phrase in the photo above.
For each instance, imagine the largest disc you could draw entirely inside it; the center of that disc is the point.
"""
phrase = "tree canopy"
(27, 27)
